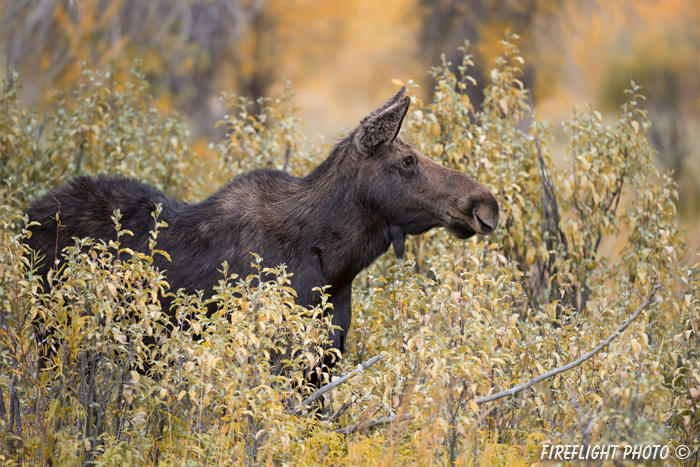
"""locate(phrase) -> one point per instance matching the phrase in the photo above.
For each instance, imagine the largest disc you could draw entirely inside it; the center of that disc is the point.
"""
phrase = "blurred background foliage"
(341, 55)
(591, 218)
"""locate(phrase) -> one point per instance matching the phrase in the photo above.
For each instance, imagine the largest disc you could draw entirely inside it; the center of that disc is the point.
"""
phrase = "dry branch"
(512, 391)
(316, 395)
(578, 361)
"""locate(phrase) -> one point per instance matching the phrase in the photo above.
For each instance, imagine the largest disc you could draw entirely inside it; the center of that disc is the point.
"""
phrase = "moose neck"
(345, 234)
(318, 222)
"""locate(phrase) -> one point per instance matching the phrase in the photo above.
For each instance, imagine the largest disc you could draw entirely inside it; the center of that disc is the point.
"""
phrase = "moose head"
(410, 191)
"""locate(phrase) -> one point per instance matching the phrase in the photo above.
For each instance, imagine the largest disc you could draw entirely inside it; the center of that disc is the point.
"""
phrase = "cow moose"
(371, 191)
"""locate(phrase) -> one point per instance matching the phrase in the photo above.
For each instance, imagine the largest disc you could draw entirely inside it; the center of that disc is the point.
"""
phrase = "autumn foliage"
(578, 248)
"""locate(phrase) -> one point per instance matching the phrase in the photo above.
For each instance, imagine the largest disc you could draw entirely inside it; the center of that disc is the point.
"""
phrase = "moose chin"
(371, 191)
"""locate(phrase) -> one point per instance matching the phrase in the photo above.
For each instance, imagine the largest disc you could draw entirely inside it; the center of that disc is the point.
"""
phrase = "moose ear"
(383, 125)
(387, 103)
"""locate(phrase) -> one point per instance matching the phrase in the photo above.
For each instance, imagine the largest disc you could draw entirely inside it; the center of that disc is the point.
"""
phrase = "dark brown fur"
(371, 192)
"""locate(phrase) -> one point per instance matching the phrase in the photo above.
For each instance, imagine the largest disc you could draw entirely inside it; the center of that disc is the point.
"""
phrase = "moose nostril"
(486, 218)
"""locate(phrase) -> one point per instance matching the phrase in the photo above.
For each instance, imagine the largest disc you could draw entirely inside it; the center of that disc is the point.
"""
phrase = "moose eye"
(407, 161)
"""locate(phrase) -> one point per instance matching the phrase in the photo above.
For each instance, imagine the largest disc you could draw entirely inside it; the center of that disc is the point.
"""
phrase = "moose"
(371, 191)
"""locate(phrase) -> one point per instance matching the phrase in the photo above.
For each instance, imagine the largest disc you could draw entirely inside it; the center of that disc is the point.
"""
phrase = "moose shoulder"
(371, 192)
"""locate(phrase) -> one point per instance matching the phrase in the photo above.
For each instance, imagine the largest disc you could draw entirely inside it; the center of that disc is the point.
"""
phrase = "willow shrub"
(454, 321)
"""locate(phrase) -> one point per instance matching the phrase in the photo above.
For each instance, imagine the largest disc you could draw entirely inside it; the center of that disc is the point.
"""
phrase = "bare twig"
(316, 395)
(3, 410)
(512, 391)
(58, 225)
(578, 361)
(551, 205)
(337, 414)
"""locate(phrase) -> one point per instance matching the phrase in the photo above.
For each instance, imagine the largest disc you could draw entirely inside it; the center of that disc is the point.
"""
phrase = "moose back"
(371, 191)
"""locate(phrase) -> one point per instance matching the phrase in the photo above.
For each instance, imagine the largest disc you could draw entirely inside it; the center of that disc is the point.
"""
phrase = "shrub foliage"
(579, 247)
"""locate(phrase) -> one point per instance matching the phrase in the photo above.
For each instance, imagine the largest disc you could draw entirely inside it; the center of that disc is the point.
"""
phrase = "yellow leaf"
(530, 256)
(121, 338)
(163, 253)
(504, 103)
